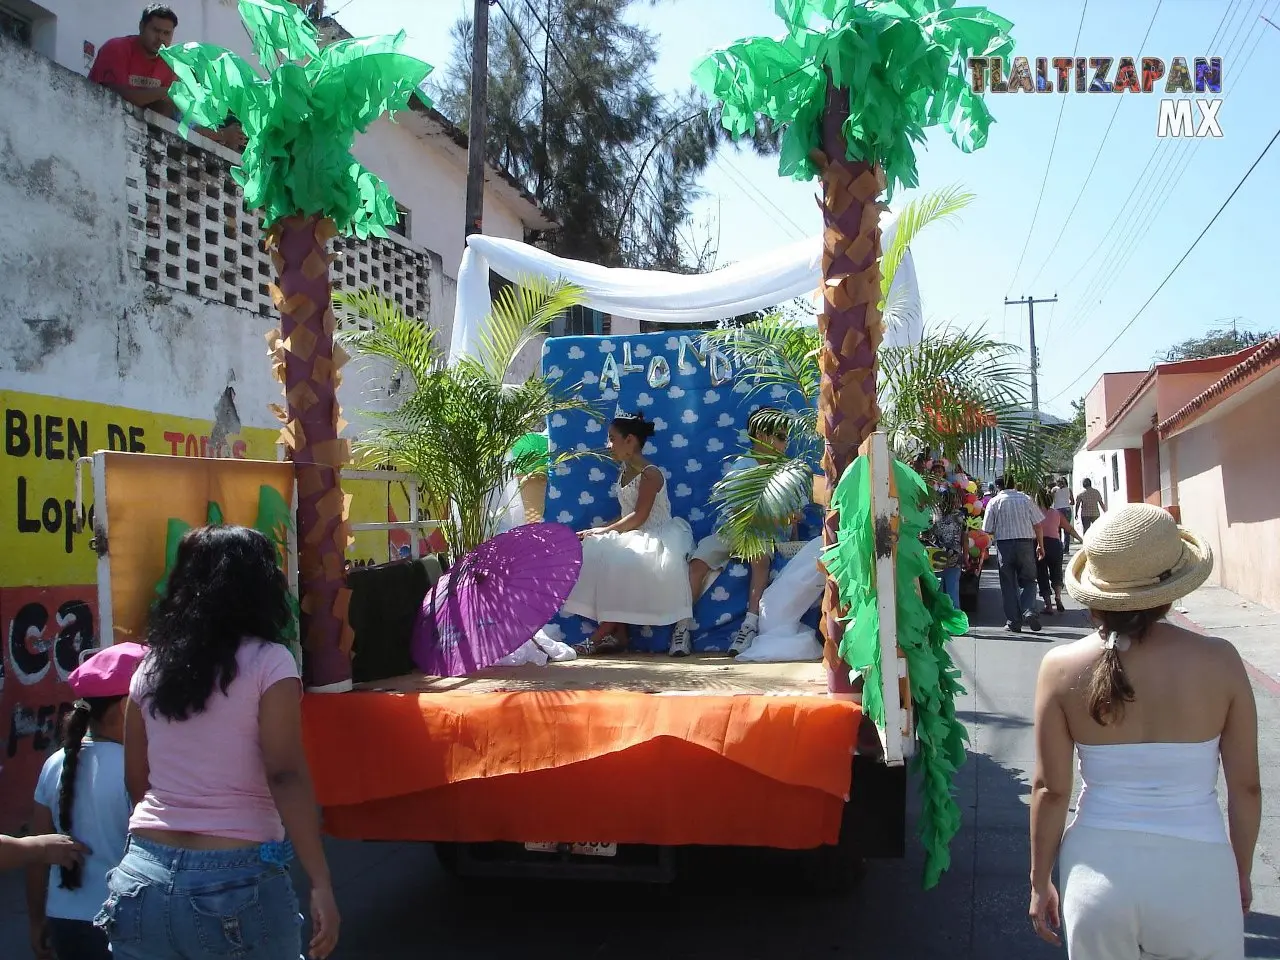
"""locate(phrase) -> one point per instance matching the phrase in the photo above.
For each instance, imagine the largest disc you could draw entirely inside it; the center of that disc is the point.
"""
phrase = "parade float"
(603, 767)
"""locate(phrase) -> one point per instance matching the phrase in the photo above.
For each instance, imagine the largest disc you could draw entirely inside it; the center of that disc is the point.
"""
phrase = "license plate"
(580, 849)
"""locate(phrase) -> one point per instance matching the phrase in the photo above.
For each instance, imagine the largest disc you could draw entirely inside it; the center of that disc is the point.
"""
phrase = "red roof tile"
(1263, 358)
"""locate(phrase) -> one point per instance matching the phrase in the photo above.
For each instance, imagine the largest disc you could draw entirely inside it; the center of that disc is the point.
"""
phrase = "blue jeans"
(949, 580)
(166, 903)
(1017, 578)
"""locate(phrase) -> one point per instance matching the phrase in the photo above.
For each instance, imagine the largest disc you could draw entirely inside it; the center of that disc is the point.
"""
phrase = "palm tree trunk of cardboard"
(307, 362)
(850, 328)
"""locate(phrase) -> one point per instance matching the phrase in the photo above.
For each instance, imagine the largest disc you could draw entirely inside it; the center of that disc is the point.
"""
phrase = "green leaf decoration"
(301, 120)
(531, 454)
(274, 521)
(926, 620)
(903, 66)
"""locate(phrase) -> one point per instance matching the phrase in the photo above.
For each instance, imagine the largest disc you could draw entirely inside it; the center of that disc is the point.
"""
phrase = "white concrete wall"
(425, 172)
(1097, 466)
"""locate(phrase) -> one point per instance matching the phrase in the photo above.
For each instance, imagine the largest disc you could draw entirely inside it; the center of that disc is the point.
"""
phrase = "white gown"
(640, 577)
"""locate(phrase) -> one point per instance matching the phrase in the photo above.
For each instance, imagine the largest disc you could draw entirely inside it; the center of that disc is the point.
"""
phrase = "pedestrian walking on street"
(1062, 503)
(214, 762)
(1014, 522)
(1056, 529)
(1147, 867)
(1089, 505)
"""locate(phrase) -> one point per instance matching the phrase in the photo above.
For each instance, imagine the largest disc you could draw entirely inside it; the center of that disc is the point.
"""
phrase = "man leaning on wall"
(132, 67)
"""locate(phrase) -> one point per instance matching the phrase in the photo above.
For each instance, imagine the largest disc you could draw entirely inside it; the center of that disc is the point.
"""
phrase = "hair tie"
(1114, 641)
(82, 705)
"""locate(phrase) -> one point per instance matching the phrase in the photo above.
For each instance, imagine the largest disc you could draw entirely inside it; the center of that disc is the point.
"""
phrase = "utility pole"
(476, 126)
(1035, 363)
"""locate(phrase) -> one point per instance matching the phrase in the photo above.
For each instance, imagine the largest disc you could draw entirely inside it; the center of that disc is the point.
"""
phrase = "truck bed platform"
(627, 749)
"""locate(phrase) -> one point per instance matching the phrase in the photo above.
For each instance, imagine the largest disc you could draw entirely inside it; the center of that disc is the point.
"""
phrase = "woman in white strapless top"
(1147, 866)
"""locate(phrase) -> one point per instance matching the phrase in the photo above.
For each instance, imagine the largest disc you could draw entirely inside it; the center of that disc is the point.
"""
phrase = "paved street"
(398, 904)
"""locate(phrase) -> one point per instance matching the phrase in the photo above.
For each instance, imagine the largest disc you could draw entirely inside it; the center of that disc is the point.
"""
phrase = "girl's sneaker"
(743, 638)
(681, 639)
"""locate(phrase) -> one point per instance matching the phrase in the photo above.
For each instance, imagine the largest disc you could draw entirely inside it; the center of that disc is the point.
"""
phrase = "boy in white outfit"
(712, 555)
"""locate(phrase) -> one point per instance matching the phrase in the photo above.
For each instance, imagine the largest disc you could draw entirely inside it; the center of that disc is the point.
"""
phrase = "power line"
(1181, 261)
(1156, 193)
(1088, 176)
(1031, 227)
(1139, 181)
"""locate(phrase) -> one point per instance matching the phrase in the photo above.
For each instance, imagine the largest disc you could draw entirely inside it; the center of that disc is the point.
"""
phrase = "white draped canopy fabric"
(755, 284)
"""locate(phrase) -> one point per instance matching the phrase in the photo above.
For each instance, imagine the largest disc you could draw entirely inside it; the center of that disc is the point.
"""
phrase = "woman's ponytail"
(1109, 686)
(73, 733)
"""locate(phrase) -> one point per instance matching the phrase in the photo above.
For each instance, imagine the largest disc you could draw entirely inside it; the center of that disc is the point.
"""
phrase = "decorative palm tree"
(457, 426)
(297, 170)
(855, 84)
(957, 393)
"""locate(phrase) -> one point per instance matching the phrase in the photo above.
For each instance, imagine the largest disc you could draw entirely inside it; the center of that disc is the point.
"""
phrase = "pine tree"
(573, 117)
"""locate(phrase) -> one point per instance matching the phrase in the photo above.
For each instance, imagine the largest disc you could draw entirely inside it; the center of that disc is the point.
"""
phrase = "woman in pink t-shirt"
(214, 763)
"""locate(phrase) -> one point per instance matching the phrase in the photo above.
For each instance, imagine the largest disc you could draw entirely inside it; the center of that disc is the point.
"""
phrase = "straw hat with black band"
(1137, 558)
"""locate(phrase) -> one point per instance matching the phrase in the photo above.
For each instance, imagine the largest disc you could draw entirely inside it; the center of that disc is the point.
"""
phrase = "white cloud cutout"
(597, 521)
(779, 392)
(554, 631)
(562, 470)
(737, 570)
(585, 628)
(726, 420)
(606, 346)
(595, 475)
(558, 420)
(644, 400)
(649, 449)
(576, 353)
(641, 350)
(723, 619)
(593, 426)
(564, 516)
(673, 343)
(646, 632)
(696, 514)
(689, 416)
(582, 448)
(720, 594)
(675, 393)
(608, 393)
(693, 466)
(742, 386)
(659, 424)
(684, 490)
(678, 440)
(665, 472)
(590, 379)
(553, 492)
(552, 446)
(554, 373)
(713, 445)
(711, 396)
(585, 498)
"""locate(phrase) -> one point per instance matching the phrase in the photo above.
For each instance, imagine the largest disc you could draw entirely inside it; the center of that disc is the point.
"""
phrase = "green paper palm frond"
(902, 65)
(300, 121)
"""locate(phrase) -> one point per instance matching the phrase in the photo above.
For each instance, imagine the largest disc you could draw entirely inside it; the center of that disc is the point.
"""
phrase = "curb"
(1258, 675)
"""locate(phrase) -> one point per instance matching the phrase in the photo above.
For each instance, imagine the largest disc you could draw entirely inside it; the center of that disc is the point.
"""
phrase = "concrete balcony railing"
(188, 229)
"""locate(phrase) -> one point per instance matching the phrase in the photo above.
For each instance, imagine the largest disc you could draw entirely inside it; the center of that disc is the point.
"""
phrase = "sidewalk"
(1251, 627)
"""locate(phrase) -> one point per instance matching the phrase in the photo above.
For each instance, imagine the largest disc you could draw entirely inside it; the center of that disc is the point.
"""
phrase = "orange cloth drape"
(582, 766)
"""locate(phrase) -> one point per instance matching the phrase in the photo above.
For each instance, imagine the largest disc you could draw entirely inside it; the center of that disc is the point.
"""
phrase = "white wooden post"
(897, 738)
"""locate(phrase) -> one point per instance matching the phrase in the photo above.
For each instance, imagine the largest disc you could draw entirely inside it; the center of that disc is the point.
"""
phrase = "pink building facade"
(1202, 439)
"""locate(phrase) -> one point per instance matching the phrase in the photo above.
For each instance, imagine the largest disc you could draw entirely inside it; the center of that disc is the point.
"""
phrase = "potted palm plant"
(455, 427)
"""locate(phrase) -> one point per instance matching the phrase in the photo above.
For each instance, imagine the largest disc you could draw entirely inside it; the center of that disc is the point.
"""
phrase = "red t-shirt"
(123, 63)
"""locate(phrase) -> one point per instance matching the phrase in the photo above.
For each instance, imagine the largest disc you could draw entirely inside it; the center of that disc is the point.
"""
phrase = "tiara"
(620, 414)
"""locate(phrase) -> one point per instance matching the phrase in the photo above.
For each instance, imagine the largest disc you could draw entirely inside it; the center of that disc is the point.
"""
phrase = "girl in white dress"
(634, 570)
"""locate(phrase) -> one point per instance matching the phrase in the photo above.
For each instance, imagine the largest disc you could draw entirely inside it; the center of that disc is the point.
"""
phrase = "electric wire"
(1169, 275)
(1031, 227)
(1120, 100)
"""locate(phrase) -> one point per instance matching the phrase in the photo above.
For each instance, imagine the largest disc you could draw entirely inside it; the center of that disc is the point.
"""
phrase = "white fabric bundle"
(796, 588)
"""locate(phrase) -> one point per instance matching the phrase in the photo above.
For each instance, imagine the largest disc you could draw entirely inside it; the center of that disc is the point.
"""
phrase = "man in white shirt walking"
(1013, 520)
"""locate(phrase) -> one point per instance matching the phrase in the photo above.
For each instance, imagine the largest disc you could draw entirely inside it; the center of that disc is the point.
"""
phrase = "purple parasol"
(495, 598)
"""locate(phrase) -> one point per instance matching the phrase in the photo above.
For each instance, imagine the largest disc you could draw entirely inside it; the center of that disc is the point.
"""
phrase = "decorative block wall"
(188, 231)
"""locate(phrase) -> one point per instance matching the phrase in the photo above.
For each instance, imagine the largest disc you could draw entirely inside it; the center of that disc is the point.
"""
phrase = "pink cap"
(107, 673)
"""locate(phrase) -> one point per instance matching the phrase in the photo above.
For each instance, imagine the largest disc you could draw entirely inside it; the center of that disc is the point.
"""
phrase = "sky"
(1140, 210)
